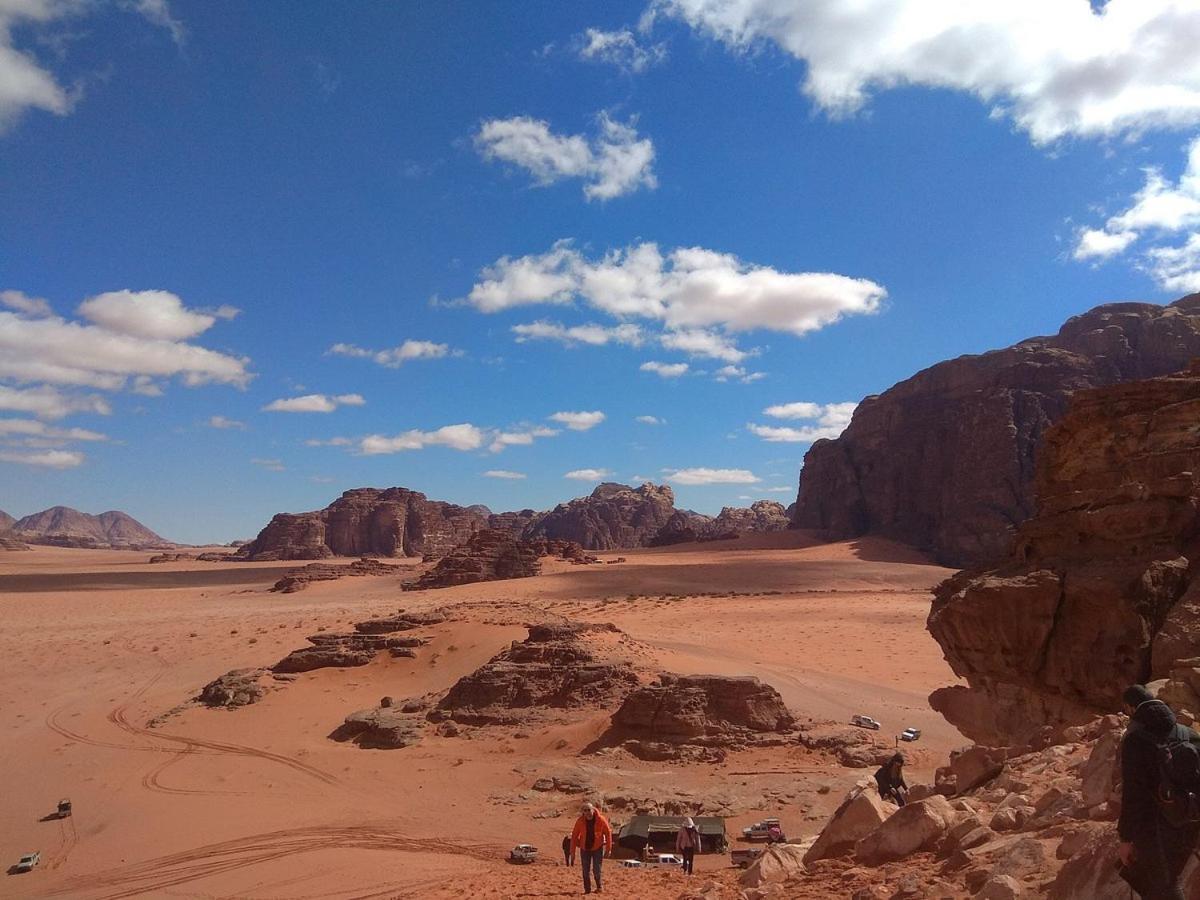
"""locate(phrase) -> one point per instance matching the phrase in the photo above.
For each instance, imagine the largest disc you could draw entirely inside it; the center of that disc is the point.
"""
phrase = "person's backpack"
(1178, 793)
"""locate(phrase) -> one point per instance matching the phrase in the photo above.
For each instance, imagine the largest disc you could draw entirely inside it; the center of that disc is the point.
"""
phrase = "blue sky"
(201, 201)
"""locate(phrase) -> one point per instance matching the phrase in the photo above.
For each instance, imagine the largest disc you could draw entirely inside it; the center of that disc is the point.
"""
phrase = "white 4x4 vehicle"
(865, 722)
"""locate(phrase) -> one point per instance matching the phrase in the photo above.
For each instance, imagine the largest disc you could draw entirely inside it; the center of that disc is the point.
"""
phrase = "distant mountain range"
(61, 526)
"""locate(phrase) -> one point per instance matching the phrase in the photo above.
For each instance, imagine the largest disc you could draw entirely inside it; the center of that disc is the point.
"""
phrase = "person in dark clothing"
(1153, 852)
(890, 778)
(566, 845)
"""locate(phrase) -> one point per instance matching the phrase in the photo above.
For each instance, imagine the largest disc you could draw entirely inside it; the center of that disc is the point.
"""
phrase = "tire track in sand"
(155, 876)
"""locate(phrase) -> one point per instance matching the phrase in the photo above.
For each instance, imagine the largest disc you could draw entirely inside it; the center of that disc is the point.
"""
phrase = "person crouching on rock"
(687, 843)
(890, 778)
(592, 836)
(1160, 796)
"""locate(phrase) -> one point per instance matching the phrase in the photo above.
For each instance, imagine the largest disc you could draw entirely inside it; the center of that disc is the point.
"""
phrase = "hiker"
(567, 850)
(1160, 796)
(687, 843)
(592, 836)
(890, 778)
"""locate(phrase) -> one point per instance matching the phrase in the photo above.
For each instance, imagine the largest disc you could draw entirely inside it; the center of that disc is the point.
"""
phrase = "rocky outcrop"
(9, 541)
(380, 728)
(613, 516)
(859, 814)
(367, 522)
(555, 667)
(945, 459)
(491, 555)
(6, 521)
(302, 578)
(239, 687)
(698, 716)
(1106, 570)
(685, 526)
(61, 526)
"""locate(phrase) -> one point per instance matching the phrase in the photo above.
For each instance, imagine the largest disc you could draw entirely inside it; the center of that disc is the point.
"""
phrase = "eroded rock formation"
(698, 716)
(1101, 588)
(61, 526)
(945, 459)
(491, 555)
(299, 579)
(685, 526)
(562, 666)
(612, 516)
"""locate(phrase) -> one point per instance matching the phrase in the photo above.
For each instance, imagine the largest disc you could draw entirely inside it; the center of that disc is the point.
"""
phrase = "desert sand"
(258, 802)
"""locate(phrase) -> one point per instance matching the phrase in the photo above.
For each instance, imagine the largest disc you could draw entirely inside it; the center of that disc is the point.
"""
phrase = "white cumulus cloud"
(47, 459)
(688, 288)
(595, 335)
(314, 403)
(457, 437)
(664, 370)
(587, 474)
(620, 48)
(711, 476)
(155, 315)
(51, 403)
(614, 162)
(1160, 214)
(504, 474)
(225, 423)
(518, 437)
(1058, 68)
(827, 420)
(701, 342)
(394, 357)
(578, 421)
(23, 304)
(650, 420)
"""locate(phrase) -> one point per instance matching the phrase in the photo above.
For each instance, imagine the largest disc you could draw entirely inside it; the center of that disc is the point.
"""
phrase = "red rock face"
(1098, 591)
(945, 460)
(367, 522)
(491, 555)
(613, 516)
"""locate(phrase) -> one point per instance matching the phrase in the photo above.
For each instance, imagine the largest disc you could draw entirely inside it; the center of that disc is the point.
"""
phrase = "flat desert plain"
(101, 652)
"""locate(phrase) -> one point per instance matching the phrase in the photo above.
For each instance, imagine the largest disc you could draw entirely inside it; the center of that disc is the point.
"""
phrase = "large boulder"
(381, 728)
(945, 459)
(914, 827)
(779, 862)
(859, 814)
(491, 555)
(612, 516)
(1102, 571)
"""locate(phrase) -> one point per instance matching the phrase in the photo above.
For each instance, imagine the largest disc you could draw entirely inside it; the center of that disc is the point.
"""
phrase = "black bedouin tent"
(658, 833)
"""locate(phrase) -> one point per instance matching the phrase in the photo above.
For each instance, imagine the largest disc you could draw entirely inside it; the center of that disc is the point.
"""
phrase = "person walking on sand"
(890, 778)
(687, 843)
(592, 836)
(1160, 797)
(567, 850)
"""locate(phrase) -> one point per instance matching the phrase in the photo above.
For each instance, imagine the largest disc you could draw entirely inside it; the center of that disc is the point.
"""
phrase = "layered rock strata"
(699, 716)
(1101, 588)
(302, 578)
(555, 667)
(491, 555)
(945, 460)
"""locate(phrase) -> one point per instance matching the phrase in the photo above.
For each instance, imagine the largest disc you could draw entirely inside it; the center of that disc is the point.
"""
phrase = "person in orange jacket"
(592, 836)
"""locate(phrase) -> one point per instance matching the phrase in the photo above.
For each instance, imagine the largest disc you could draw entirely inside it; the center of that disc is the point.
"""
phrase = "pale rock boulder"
(914, 827)
(860, 813)
(1000, 887)
(1100, 771)
(779, 862)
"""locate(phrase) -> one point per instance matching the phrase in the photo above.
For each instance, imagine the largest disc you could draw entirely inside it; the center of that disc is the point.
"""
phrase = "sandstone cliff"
(367, 522)
(400, 522)
(1103, 585)
(945, 459)
(613, 516)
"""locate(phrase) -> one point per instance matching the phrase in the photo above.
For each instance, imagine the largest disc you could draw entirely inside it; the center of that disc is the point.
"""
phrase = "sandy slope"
(259, 803)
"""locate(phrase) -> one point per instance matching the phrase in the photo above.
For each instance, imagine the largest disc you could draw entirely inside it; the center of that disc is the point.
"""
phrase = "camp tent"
(658, 833)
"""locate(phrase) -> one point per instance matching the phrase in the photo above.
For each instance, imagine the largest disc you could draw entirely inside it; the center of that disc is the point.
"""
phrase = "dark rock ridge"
(9, 541)
(685, 526)
(1101, 588)
(613, 516)
(6, 521)
(945, 460)
(61, 526)
(494, 556)
(302, 578)
(712, 713)
(556, 667)
(400, 522)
